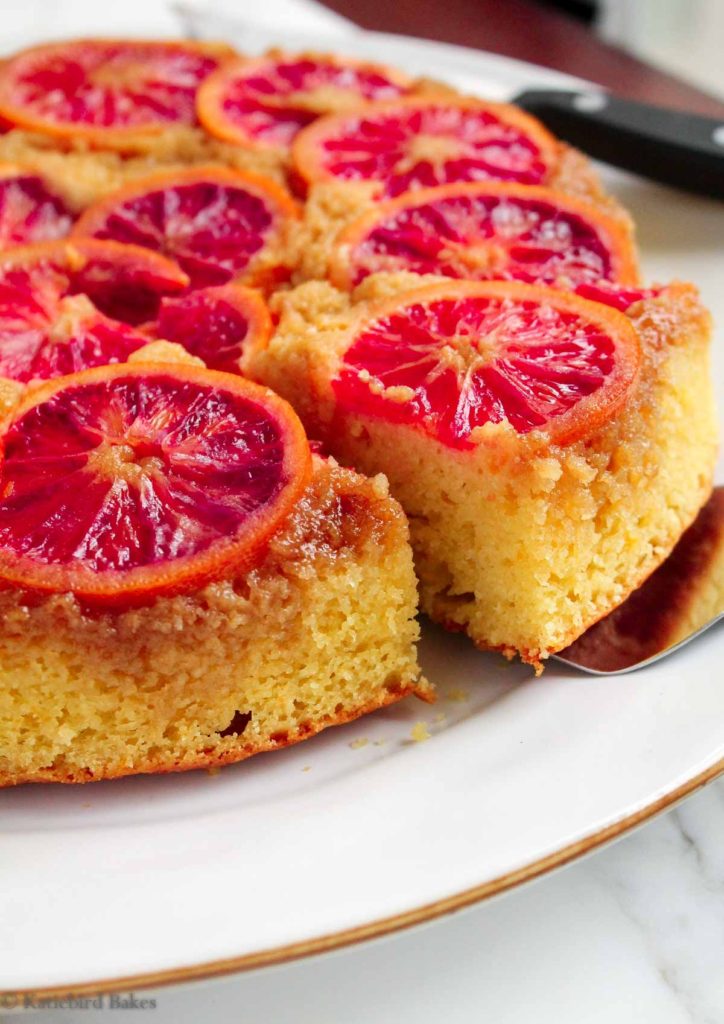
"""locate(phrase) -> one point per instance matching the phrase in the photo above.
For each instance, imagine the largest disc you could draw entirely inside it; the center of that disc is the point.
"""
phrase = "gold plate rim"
(374, 929)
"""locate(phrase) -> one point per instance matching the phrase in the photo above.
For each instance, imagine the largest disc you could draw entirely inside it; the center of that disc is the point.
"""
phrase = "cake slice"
(549, 451)
(183, 583)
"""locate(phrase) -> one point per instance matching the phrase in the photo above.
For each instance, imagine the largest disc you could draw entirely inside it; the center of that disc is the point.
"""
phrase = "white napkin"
(307, 16)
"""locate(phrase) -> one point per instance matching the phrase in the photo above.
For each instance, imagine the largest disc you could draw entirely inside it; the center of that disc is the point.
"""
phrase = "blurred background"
(602, 40)
(681, 36)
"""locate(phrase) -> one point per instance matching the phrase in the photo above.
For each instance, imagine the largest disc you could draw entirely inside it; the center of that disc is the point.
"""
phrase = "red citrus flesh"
(266, 102)
(215, 324)
(420, 143)
(611, 294)
(50, 321)
(216, 223)
(29, 210)
(105, 89)
(451, 358)
(487, 231)
(124, 483)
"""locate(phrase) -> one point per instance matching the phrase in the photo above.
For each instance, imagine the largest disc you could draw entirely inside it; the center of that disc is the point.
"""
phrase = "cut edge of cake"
(323, 631)
(520, 543)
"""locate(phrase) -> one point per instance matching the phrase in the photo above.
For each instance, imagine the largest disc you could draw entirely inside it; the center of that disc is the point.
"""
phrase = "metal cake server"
(568, 656)
(648, 625)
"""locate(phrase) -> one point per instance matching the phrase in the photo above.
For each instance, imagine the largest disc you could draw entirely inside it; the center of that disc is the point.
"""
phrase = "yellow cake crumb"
(165, 352)
(420, 732)
(457, 695)
(11, 391)
(81, 175)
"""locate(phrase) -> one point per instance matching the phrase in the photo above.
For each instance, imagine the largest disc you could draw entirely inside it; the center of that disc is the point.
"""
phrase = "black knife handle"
(685, 150)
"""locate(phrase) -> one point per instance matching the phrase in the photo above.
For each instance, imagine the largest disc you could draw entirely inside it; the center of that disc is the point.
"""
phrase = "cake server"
(570, 654)
(648, 626)
(670, 146)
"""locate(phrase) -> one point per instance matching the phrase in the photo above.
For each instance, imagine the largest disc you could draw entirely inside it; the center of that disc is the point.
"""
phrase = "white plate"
(149, 880)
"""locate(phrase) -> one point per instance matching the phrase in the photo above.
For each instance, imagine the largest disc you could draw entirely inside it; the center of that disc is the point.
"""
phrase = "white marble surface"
(631, 935)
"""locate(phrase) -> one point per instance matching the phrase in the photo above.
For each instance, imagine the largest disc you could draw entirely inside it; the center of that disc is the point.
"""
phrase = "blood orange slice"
(454, 357)
(484, 231)
(423, 142)
(265, 102)
(218, 224)
(123, 483)
(29, 210)
(105, 90)
(215, 324)
(50, 293)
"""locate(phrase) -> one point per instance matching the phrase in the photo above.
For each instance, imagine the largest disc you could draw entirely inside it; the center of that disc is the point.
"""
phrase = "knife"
(670, 146)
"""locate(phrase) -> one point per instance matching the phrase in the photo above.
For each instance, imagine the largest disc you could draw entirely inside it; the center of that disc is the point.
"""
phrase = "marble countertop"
(633, 933)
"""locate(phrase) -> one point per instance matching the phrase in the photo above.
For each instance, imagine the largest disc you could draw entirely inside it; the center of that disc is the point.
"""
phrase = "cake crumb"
(161, 351)
(548, 469)
(307, 768)
(358, 744)
(213, 771)
(399, 393)
(420, 732)
(458, 695)
(440, 717)
(380, 485)
(379, 743)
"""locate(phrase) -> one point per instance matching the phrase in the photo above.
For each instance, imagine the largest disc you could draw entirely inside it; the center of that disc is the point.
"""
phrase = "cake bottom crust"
(67, 774)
